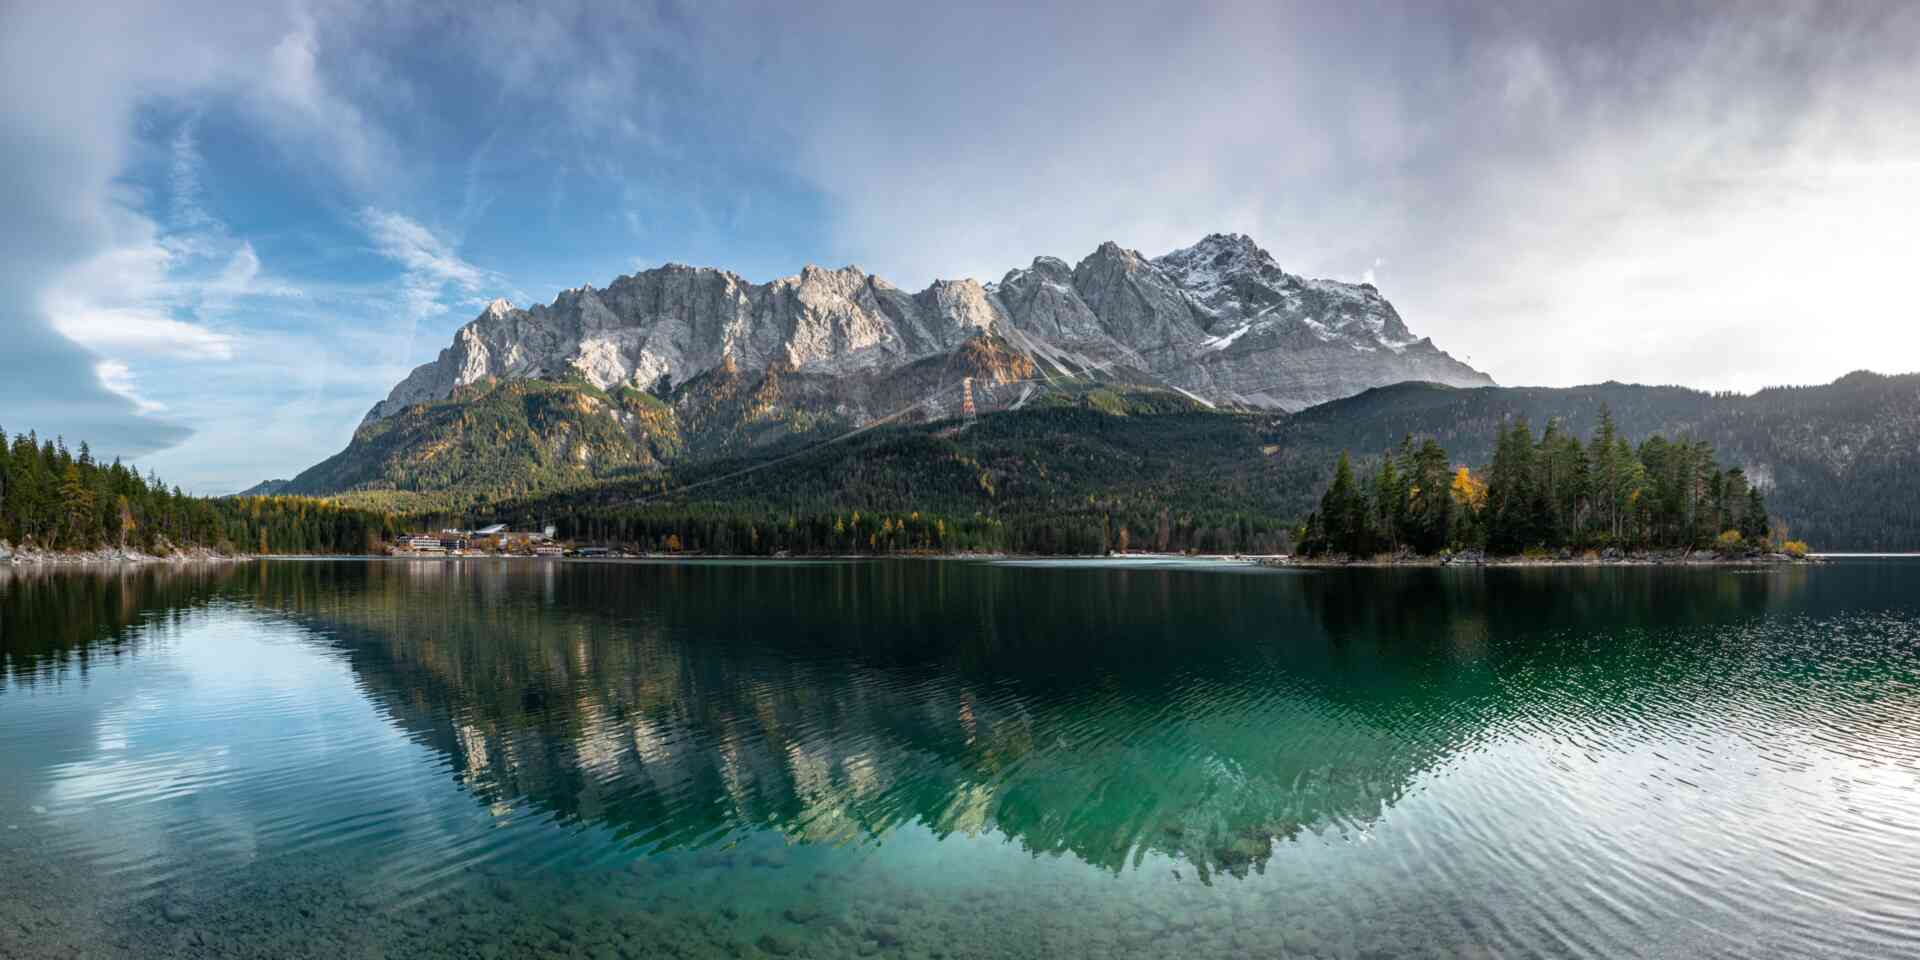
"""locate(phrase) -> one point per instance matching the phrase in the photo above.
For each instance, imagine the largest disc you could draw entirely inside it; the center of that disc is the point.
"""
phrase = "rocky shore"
(25, 554)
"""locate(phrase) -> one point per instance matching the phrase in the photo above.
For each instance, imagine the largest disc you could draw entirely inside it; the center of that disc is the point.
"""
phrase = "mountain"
(1839, 463)
(499, 438)
(265, 488)
(1207, 384)
(1219, 320)
(679, 365)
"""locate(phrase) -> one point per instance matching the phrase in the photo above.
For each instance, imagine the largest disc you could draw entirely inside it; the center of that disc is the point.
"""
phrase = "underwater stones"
(802, 913)
(773, 859)
(176, 911)
(778, 944)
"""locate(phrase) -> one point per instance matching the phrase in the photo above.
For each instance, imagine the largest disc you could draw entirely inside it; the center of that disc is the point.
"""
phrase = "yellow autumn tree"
(1468, 490)
(127, 523)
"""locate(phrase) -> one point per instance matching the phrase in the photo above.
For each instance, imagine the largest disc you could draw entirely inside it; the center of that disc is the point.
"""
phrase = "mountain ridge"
(1218, 320)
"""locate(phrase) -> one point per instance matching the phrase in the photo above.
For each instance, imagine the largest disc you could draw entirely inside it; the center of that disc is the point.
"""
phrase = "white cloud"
(242, 278)
(420, 250)
(433, 268)
(124, 300)
(115, 376)
(1566, 195)
(296, 101)
(139, 330)
(184, 180)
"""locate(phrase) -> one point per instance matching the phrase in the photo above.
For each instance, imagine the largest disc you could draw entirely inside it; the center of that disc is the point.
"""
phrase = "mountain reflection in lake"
(958, 759)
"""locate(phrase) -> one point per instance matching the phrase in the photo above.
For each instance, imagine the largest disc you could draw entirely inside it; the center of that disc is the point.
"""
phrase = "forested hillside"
(52, 498)
(495, 441)
(502, 441)
(1076, 473)
(1839, 463)
(771, 460)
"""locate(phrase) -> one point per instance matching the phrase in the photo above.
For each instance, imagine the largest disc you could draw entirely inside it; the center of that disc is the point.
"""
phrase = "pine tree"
(1389, 503)
(1565, 487)
(1754, 522)
(1511, 491)
(6, 478)
(1345, 515)
(1431, 513)
(76, 503)
(1604, 456)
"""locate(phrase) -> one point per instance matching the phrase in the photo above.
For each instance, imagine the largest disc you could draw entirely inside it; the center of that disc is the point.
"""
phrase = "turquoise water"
(958, 759)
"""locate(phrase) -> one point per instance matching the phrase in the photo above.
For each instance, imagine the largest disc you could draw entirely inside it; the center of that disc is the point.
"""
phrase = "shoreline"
(13, 556)
(1681, 560)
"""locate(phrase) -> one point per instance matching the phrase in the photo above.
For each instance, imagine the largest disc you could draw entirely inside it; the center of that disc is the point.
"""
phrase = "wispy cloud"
(243, 277)
(433, 269)
(300, 104)
(124, 301)
(115, 376)
(184, 180)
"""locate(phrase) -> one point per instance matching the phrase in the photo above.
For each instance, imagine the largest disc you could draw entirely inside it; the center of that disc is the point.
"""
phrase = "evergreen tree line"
(53, 498)
(1096, 529)
(1547, 494)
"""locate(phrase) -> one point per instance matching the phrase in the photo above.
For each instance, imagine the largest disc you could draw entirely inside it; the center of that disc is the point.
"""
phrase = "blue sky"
(237, 226)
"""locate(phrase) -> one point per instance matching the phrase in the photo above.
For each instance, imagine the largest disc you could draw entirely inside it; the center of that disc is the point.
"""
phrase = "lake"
(950, 759)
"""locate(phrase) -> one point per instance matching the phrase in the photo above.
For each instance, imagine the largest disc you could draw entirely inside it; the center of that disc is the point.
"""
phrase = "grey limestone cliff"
(1219, 320)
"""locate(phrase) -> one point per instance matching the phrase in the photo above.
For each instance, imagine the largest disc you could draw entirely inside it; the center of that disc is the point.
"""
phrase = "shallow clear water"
(957, 759)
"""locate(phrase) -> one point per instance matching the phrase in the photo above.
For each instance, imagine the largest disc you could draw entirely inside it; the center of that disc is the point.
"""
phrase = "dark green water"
(951, 759)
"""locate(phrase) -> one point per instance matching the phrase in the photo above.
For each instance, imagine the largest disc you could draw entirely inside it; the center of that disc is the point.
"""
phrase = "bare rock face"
(1219, 320)
(1278, 341)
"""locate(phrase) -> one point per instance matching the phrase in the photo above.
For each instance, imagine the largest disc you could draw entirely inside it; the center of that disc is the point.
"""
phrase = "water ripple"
(1588, 765)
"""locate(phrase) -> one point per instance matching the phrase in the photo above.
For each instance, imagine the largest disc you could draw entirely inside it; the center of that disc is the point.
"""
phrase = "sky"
(231, 228)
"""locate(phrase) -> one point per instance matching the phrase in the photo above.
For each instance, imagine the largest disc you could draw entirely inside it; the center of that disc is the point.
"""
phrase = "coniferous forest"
(1544, 495)
(53, 498)
(1060, 479)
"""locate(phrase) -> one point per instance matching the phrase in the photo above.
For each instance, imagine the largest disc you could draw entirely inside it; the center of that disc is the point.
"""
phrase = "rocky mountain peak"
(1114, 254)
(1052, 268)
(1219, 320)
(1221, 258)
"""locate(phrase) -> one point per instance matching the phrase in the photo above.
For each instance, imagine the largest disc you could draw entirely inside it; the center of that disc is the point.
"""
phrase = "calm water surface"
(954, 759)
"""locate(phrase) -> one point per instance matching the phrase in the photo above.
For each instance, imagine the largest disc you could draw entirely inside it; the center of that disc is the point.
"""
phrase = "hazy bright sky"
(230, 228)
